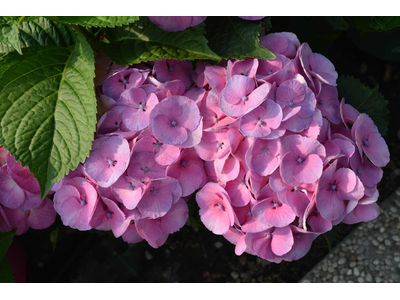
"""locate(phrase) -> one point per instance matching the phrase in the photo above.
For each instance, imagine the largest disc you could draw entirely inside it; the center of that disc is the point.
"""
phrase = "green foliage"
(5, 242)
(39, 31)
(104, 21)
(9, 33)
(144, 41)
(6, 273)
(365, 100)
(54, 237)
(48, 108)
(337, 23)
(232, 37)
(373, 24)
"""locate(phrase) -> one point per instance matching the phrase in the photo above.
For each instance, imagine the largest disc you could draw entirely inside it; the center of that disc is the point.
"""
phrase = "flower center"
(259, 122)
(108, 68)
(365, 142)
(299, 160)
(320, 102)
(183, 163)
(244, 98)
(313, 71)
(109, 213)
(276, 204)
(298, 235)
(249, 213)
(146, 169)
(334, 187)
(141, 106)
(215, 120)
(170, 69)
(173, 123)
(125, 81)
(117, 125)
(270, 72)
(220, 206)
(83, 202)
(263, 150)
(112, 162)
(358, 171)
(291, 103)
(158, 145)
(268, 235)
(154, 191)
(218, 145)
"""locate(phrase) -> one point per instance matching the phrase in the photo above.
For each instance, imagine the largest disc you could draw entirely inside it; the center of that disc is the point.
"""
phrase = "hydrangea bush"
(274, 157)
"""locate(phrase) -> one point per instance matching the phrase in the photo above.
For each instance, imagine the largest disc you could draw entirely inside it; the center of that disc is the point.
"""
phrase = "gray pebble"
(376, 262)
(378, 279)
(397, 259)
(380, 238)
(235, 275)
(148, 255)
(335, 278)
(360, 279)
(353, 264)
(218, 244)
(388, 243)
(342, 261)
(306, 281)
(356, 271)
(368, 277)
(382, 229)
(396, 238)
(393, 209)
(349, 272)
(375, 243)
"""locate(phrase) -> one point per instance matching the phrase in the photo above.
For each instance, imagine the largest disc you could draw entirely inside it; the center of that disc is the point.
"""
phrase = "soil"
(197, 255)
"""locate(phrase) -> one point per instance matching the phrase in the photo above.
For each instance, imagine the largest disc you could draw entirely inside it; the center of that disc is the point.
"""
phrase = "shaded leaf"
(9, 33)
(6, 272)
(5, 242)
(103, 21)
(365, 100)
(233, 37)
(373, 24)
(48, 109)
(39, 31)
(337, 23)
(144, 41)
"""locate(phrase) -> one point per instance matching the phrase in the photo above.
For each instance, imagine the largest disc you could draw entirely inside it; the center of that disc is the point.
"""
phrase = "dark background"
(197, 255)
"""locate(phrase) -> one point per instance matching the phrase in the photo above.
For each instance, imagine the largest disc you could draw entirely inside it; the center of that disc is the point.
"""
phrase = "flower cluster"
(20, 203)
(286, 160)
(278, 159)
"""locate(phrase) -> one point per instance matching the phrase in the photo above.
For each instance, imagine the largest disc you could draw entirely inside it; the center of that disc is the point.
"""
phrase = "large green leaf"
(9, 33)
(232, 37)
(365, 100)
(373, 24)
(144, 41)
(337, 23)
(48, 108)
(104, 21)
(5, 242)
(6, 273)
(42, 32)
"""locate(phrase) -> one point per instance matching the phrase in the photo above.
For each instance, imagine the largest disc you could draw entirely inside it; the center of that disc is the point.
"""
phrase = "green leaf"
(6, 272)
(39, 31)
(48, 109)
(9, 33)
(5, 242)
(232, 37)
(104, 21)
(144, 41)
(365, 100)
(373, 24)
(54, 237)
(337, 23)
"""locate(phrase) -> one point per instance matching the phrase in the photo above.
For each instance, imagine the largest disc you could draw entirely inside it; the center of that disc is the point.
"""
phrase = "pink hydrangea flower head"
(108, 160)
(270, 210)
(170, 69)
(247, 67)
(334, 187)
(316, 67)
(216, 211)
(174, 24)
(369, 140)
(111, 123)
(263, 157)
(328, 103)
(108, 216)
(285, 43)
(298, 104)
(158, 197)
(271, 243)
(75, 202)
(303, 160)
(262, 120)
(173, 119)
(275, 70)
(369, 174)
(238, 190)
(214, 144)
(143, 167)
(240, 95)
(189, 171)
(138, 106)
(128, 191)
(118, 83)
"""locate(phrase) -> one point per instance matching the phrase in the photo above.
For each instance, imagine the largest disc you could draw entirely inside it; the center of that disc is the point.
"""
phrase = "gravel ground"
(370, 253)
